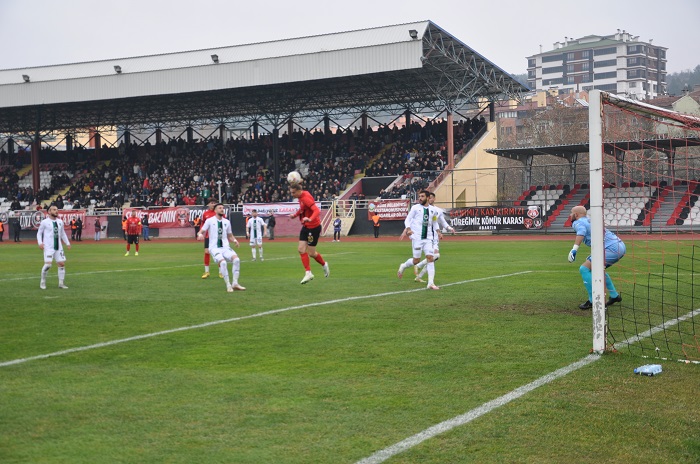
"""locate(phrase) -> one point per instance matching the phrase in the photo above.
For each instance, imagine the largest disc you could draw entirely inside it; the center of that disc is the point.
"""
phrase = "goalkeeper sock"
(612, 291)
(587, 281)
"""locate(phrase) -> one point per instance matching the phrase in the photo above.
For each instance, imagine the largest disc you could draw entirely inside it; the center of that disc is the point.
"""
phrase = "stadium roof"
(568, 151)
(380, 71)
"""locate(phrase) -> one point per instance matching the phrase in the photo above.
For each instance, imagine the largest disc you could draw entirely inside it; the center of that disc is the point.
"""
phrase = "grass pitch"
(328, 372)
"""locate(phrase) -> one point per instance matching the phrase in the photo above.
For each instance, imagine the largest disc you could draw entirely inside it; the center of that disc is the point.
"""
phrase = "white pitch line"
(140, 269)
(235, 319)
(442, 427)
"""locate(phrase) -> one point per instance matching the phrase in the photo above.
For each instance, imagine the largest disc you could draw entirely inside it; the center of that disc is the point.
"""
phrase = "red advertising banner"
(389, 210)
(163, 218)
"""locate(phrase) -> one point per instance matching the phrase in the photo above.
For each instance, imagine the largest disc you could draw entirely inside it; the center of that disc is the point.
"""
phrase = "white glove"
(572, 256)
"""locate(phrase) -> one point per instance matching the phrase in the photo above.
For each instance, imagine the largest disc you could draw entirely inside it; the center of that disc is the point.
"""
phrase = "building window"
(570, 79)
(607, 87)
(585, 54)
(606, 75)
(531, 63)
(604, 63)
(552, 70)
(569, 68)
(570, 56)
(605, 51)
(550, 58)
(632, 85)
(632, 49)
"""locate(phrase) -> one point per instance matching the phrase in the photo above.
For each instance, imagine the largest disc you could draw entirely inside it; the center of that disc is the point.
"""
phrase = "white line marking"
(235, 319)
(442, 427)
(140, 269)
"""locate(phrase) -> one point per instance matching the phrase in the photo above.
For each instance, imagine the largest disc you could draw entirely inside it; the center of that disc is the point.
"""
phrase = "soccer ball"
(294, 177)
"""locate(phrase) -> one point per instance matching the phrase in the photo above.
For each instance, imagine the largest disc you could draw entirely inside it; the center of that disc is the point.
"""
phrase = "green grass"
(328, 383)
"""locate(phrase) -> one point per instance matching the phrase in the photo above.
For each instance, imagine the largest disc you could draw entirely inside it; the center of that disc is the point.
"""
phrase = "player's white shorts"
(255, 241)
(50, 255)
(422, 246)
(223, 253)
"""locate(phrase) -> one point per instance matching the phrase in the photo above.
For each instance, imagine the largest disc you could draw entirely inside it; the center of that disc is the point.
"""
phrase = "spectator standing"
(375, 221)
(73, 228)
(271, 223)
(145, 227)
(98, 229)
(79, 229)
(337, 223)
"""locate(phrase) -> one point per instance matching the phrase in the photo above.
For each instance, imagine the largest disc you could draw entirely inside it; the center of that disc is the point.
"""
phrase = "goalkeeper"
(614, 251)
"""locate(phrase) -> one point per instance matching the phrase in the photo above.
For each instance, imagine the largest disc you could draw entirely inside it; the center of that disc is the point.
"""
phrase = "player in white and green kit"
(421, 268)
(220, 235)
(51, 236)
(255, 229)
(421, 228)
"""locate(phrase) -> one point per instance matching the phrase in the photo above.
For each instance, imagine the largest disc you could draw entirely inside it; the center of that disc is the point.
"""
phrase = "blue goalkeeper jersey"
(582, 226)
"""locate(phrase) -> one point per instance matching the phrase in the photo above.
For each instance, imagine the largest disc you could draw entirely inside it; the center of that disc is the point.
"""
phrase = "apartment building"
(618, 63)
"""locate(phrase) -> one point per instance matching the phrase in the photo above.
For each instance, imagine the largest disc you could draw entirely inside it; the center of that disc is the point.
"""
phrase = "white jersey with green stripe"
(219, 230)
(51, 233)
(256, 227)
(423, 222)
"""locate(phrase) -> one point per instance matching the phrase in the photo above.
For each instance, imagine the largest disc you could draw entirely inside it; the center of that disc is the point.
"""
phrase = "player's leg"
(61, 262)
(252, 248)
(136, 243)
(260, 246)
(48, 260)
(585, 271)
(235, 270)
(313, 237)
(429, 251)
(611, 257)
(221, 263)
(417, 253)
(128, 245)
(206, 258)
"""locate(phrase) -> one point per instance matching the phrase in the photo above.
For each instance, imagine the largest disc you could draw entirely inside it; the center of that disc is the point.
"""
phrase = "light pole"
(218, 182)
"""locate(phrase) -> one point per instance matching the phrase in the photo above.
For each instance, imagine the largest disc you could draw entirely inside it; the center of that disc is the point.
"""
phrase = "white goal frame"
(595, 212)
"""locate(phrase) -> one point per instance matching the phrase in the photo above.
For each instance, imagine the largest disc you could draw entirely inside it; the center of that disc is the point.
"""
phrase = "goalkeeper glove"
(572, 255)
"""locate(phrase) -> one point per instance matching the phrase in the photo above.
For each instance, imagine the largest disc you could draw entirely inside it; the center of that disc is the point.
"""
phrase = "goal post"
(595, 212)
(644, 168)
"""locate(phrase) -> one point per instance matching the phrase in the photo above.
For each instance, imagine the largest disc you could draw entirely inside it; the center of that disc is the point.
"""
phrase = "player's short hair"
(253, 210)
(212, 200)
(295, 186)
(218, 204)
(425, 191)
(431, 194)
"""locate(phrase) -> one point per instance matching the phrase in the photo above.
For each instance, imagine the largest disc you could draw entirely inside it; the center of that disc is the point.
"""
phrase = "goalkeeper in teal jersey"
(614, 251)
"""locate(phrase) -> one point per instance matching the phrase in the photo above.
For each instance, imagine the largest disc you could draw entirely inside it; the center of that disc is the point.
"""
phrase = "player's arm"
(574, 249)
(40, 235)
(315, 212)
(444, 225)
(231, 238)
(202, 231)
(64, 236)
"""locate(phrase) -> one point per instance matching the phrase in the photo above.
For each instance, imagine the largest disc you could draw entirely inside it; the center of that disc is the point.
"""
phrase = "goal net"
(644, 187)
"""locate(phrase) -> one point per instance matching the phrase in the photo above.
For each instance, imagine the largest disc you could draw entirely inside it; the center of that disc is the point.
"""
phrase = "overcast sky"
(44, 32)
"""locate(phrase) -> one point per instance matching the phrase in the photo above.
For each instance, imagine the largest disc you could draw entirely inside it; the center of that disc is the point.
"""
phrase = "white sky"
(44, 32)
